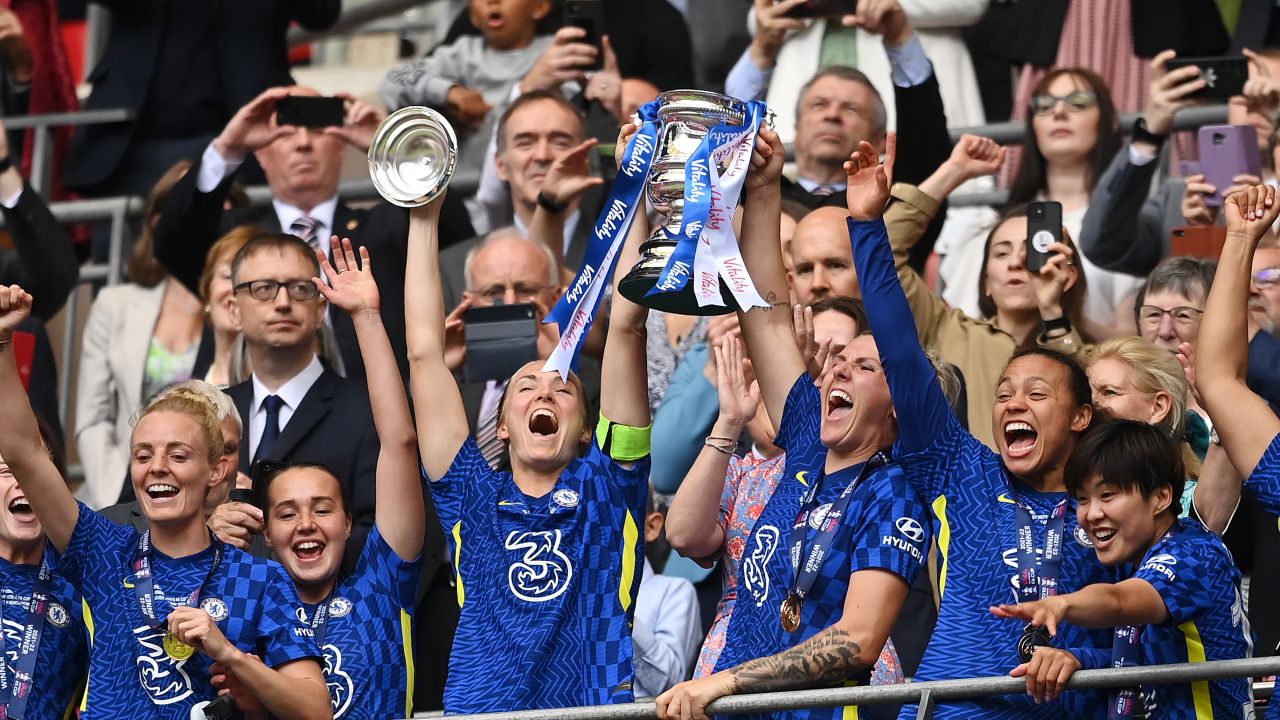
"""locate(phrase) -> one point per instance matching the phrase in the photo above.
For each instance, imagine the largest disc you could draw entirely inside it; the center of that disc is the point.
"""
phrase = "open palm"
(351, 284)
(869, 180)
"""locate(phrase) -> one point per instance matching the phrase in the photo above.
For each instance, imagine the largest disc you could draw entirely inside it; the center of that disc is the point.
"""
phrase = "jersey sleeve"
(450, 491)
(1264, 481)
(893, 532)
(1184, 574)
(800, 429)
(390, 572)
(282, 636)
(94, 538)
(625, 484)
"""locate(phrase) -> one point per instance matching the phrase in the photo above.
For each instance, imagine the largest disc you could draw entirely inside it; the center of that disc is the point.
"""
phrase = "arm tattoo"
(823, 660)
(772, 299)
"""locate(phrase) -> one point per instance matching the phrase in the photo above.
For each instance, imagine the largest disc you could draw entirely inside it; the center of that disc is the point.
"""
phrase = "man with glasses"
(294, 407)
(1264, 289)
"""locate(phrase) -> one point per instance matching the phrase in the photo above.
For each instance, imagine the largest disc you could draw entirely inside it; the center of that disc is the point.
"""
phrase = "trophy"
(412, 156)
(686, 117)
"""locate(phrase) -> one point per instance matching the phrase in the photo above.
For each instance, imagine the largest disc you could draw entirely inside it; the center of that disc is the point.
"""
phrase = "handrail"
(926, 693)
(352, 19)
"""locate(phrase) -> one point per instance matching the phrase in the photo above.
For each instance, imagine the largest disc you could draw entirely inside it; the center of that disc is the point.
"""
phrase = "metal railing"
(926, 694)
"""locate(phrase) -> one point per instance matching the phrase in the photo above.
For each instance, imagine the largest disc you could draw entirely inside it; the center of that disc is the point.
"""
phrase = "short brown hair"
(273, 241)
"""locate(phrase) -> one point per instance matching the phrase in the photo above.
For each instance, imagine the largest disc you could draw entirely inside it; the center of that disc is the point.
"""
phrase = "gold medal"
(176, 649)
(791, 613)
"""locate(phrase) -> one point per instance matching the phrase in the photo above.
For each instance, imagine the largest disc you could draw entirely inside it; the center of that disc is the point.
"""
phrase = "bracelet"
(1063, 323)
(5, 343)
(551, 206)
(727, 447)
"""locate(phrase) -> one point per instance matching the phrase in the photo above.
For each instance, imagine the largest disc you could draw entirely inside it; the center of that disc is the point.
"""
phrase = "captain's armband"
(623, 443)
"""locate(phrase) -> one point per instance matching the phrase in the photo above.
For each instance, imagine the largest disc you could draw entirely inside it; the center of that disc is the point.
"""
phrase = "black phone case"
(1225, 76)
(1044, 227)
(588, 15)
(500, 340)
(823, 9)
(310, 112)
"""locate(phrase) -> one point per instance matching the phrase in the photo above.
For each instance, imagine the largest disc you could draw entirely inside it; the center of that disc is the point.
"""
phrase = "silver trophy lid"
(412, 156)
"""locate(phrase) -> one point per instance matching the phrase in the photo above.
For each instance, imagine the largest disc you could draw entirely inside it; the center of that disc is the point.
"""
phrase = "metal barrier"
(927, 694)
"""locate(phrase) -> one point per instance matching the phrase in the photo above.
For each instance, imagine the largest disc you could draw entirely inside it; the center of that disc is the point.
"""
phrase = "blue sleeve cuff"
(909, 66)
(746, 81)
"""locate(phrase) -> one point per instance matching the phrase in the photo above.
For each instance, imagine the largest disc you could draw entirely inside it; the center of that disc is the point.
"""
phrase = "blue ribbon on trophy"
(576, 309)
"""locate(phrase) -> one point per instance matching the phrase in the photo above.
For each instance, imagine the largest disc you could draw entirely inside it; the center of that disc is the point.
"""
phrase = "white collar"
(323, 212)
(811, 185)
(292, 391)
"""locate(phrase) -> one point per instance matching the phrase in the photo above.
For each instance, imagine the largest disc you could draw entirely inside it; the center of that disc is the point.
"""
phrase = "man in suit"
(303, 166)
(536, 129)
(236, 49)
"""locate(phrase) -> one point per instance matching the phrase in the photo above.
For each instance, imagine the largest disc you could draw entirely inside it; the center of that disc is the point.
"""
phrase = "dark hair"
(1081, 393)
(532, 97)
(795, 209)
(143, 268)
(1186, 276)
(849, 307)
(273, 241)
(266, 472)
(1130, 455)
(1072, 299)
(1031, 179)
(844, 72)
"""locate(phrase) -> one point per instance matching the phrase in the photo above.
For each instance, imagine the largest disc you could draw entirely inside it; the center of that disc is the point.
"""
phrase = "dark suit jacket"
(333, 426)
(42, 260)
(193, 221)
(251, 51)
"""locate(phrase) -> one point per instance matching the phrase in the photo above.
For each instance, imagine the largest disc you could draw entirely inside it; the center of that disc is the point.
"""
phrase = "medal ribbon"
(806, 573)
(576, 309)
(320, 620)
(1038, 577)
(18, 687)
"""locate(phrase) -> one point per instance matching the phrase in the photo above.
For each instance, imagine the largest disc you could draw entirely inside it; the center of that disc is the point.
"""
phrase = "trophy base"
(641, 280)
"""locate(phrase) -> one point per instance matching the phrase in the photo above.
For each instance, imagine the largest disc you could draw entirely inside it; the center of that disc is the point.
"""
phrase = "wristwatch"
(1140, 132)
(551, 206)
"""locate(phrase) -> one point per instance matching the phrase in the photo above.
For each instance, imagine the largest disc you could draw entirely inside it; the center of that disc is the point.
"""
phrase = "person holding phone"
(552, 541)
(175, 599)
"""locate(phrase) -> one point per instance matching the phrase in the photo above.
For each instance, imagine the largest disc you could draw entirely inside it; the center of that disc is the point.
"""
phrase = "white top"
(292, 393)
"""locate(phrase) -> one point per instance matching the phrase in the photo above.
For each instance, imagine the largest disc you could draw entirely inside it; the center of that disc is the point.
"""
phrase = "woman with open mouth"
(548, 556)
(1004, 522)
(841, 503)
(39, 607)
(173, 606)
(1183, 603)
(361, 619)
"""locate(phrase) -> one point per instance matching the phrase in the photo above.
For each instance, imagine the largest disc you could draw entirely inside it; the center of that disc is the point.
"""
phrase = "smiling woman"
(175, 598)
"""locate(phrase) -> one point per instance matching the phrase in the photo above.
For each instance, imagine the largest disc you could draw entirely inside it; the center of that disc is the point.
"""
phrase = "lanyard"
(806, 573)
(1038, 577)
(18, 687)
(144, 584)
(320, 621)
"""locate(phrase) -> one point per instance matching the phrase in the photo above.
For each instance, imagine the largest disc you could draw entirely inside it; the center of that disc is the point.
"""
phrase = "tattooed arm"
(835, 654)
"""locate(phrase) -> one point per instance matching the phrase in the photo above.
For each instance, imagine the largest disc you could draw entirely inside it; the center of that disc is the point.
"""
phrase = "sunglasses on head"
(1076, 101)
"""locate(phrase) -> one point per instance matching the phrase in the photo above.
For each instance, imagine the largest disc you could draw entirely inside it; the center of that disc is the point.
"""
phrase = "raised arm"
(441, 418)
(20, 443)
(768, 331)
(567, 178)
(1244, 421)
(398, 509)
(624, 374)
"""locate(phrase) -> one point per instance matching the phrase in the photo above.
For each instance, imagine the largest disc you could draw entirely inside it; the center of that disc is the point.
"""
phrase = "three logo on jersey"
(542, 571)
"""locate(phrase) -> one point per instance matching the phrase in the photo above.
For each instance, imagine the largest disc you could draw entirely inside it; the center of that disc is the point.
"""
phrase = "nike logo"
(1004, 498)
(801, 477)
(128, 584)
(503, 503)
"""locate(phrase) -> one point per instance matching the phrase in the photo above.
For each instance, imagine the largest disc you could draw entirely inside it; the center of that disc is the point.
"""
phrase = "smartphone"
(500, 340)
(1044, 228)
(1225, 152)
(310, 112)
(1223, 76)
(588, 15)
(823, 9)
(242, 495)
(261, 473)
(1187, 168)
(1199, 241)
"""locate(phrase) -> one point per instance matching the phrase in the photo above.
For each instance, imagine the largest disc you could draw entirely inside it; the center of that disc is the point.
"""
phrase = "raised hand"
(15, 306)
(605, 85)
(885, 18)
(739, 397)
(1187, 359)
(772, 27)
(1167, 92)
(816, 354)
(1261, 91)
(1054, 279)
(467, 106)
(563, 60)
(1251, 212)
(362, 121)
(767, 160)
(455, 336)
(570, 175)
(625, 131)
(869, 180)
(253, 126)
(353, 287)
(975, 156)
(1194, 209)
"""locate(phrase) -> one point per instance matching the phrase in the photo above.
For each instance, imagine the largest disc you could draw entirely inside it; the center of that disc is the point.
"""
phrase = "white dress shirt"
(666, 633)
(292, 393)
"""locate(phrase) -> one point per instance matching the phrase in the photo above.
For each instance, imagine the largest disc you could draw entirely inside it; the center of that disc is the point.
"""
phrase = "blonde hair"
(193, 399)
(1154, 370)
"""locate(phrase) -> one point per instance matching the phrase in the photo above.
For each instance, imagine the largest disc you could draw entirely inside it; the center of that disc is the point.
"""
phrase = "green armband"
(623, 442)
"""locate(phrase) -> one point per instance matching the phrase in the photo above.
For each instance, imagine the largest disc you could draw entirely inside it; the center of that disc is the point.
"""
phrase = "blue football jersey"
(547, 585)
(367, 637)
(1200, 585)
(130, 675)
(61, 659)
(884, 527)
(1264, 481)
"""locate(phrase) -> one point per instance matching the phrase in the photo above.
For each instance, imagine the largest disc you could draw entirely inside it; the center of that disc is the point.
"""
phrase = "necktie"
(272, 404)
(487, 438)
(839, 45)
(307, 228)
